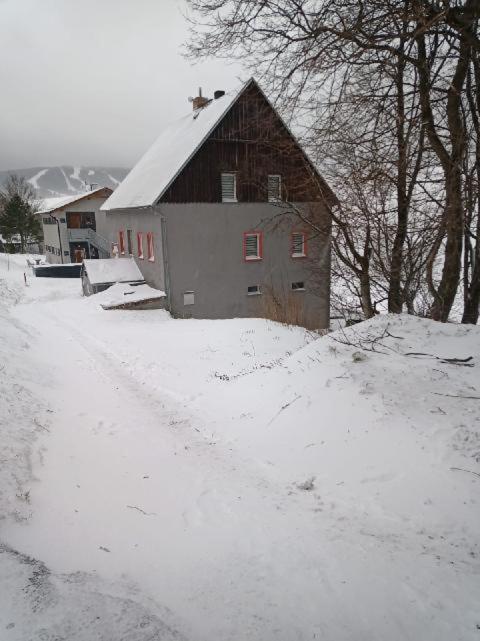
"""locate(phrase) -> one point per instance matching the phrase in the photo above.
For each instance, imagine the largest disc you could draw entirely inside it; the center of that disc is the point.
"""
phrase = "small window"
(229, 188)
(66, 253)
(274, 187)
(140, 244)
(253, 290)
(252, 246)
(129, 242)
(299, 286)
(299, 246)
(63, 220)
(189, 298)
(121, 242)
(150, 248)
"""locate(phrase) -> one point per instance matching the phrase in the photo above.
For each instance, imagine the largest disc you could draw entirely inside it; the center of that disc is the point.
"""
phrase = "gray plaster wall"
(141, 220)
(205, 255)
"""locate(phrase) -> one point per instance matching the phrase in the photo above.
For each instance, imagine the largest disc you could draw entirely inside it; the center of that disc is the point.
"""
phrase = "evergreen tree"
(17, 212)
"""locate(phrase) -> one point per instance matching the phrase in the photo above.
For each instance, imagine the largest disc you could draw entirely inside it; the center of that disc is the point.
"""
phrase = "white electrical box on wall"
(188, 298)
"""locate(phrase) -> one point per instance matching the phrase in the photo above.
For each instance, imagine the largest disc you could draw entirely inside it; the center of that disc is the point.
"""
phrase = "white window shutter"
(251, 246)
(274, 187)
(229, 188)
(298, 244)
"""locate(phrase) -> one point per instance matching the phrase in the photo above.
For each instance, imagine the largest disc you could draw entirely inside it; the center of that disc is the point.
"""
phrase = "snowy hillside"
(234, 480)
(66, 180)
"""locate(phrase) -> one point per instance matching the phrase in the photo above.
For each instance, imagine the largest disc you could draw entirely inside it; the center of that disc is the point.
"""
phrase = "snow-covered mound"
(237, 479)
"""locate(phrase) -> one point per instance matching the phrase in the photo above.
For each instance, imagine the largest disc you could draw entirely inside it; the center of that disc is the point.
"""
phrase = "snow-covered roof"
(169, 154)
(51, 204)
(112, 270)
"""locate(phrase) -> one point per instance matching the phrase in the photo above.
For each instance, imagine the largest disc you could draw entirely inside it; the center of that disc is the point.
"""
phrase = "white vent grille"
(229, 188)
(298, 244)
(252, 246)
(274, 188)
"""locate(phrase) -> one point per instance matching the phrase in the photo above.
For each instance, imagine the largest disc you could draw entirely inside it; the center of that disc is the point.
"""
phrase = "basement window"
(299, 245)
(274, 188)
(253, 290)
(229, 188)
(299, 286)
(253, 245)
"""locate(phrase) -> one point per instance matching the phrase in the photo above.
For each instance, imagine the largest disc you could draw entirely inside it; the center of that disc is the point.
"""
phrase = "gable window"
(253, 290)
(150, 248)
(274, 188)
(121, 241)
(299, 245)
(253, 245)
(129, 242)
(299, 286)
(140, 244)
(229, 188)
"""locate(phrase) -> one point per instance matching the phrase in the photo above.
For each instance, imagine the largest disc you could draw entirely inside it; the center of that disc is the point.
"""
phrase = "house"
(98, 275)
(74, 227)
(218, 214)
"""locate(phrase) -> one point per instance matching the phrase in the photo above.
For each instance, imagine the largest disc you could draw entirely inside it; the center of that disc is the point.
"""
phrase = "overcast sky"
(93, 82)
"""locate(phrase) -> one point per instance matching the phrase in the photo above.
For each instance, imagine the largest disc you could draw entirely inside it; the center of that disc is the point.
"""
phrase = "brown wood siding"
(252, 141)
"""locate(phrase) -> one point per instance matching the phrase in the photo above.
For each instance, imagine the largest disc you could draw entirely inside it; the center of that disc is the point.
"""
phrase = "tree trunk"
(444, 296)
(395, 297)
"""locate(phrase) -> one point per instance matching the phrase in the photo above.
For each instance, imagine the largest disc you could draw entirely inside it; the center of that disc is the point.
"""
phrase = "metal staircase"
(90, 236)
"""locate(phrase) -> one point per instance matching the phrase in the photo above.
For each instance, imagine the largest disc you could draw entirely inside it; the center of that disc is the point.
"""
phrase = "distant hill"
(67, 180)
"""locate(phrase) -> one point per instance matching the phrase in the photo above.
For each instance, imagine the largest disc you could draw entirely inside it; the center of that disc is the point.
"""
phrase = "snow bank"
(256, 480)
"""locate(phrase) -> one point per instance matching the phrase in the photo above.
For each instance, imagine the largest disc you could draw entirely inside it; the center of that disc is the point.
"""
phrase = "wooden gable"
(252, 141)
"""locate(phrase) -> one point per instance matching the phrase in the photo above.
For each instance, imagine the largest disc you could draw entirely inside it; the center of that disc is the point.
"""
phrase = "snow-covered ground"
(232, 480)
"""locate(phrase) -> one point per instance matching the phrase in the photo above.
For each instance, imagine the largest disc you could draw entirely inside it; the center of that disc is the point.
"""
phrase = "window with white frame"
(252, 245)
(274, 188)
(229, 188)
(299, 248)
(253, 290)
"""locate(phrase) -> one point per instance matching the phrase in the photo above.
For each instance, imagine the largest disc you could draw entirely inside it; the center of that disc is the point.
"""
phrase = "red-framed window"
(253, 245)
(121, 241)
(140, 244)
(130, 242)
(298, 244)
(150, 247)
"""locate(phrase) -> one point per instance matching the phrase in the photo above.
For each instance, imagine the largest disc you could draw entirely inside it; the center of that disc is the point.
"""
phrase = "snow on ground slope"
(236, 479)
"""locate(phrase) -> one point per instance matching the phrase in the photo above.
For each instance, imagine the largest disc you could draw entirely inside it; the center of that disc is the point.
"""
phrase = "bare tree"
(416, 54)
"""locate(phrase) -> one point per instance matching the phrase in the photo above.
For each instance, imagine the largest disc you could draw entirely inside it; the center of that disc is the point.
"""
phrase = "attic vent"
(274, 188)
(229, 188)
(218, 94)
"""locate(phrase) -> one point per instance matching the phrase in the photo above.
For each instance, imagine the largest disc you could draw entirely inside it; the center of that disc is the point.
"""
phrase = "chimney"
(218, 94)
(199, 101)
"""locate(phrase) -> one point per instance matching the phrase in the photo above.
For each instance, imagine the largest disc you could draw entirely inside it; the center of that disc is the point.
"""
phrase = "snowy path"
(202, 539)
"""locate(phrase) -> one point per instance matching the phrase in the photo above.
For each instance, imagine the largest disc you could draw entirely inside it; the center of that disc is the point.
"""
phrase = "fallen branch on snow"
(472, 398)
(461, 469)
(134, 507)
